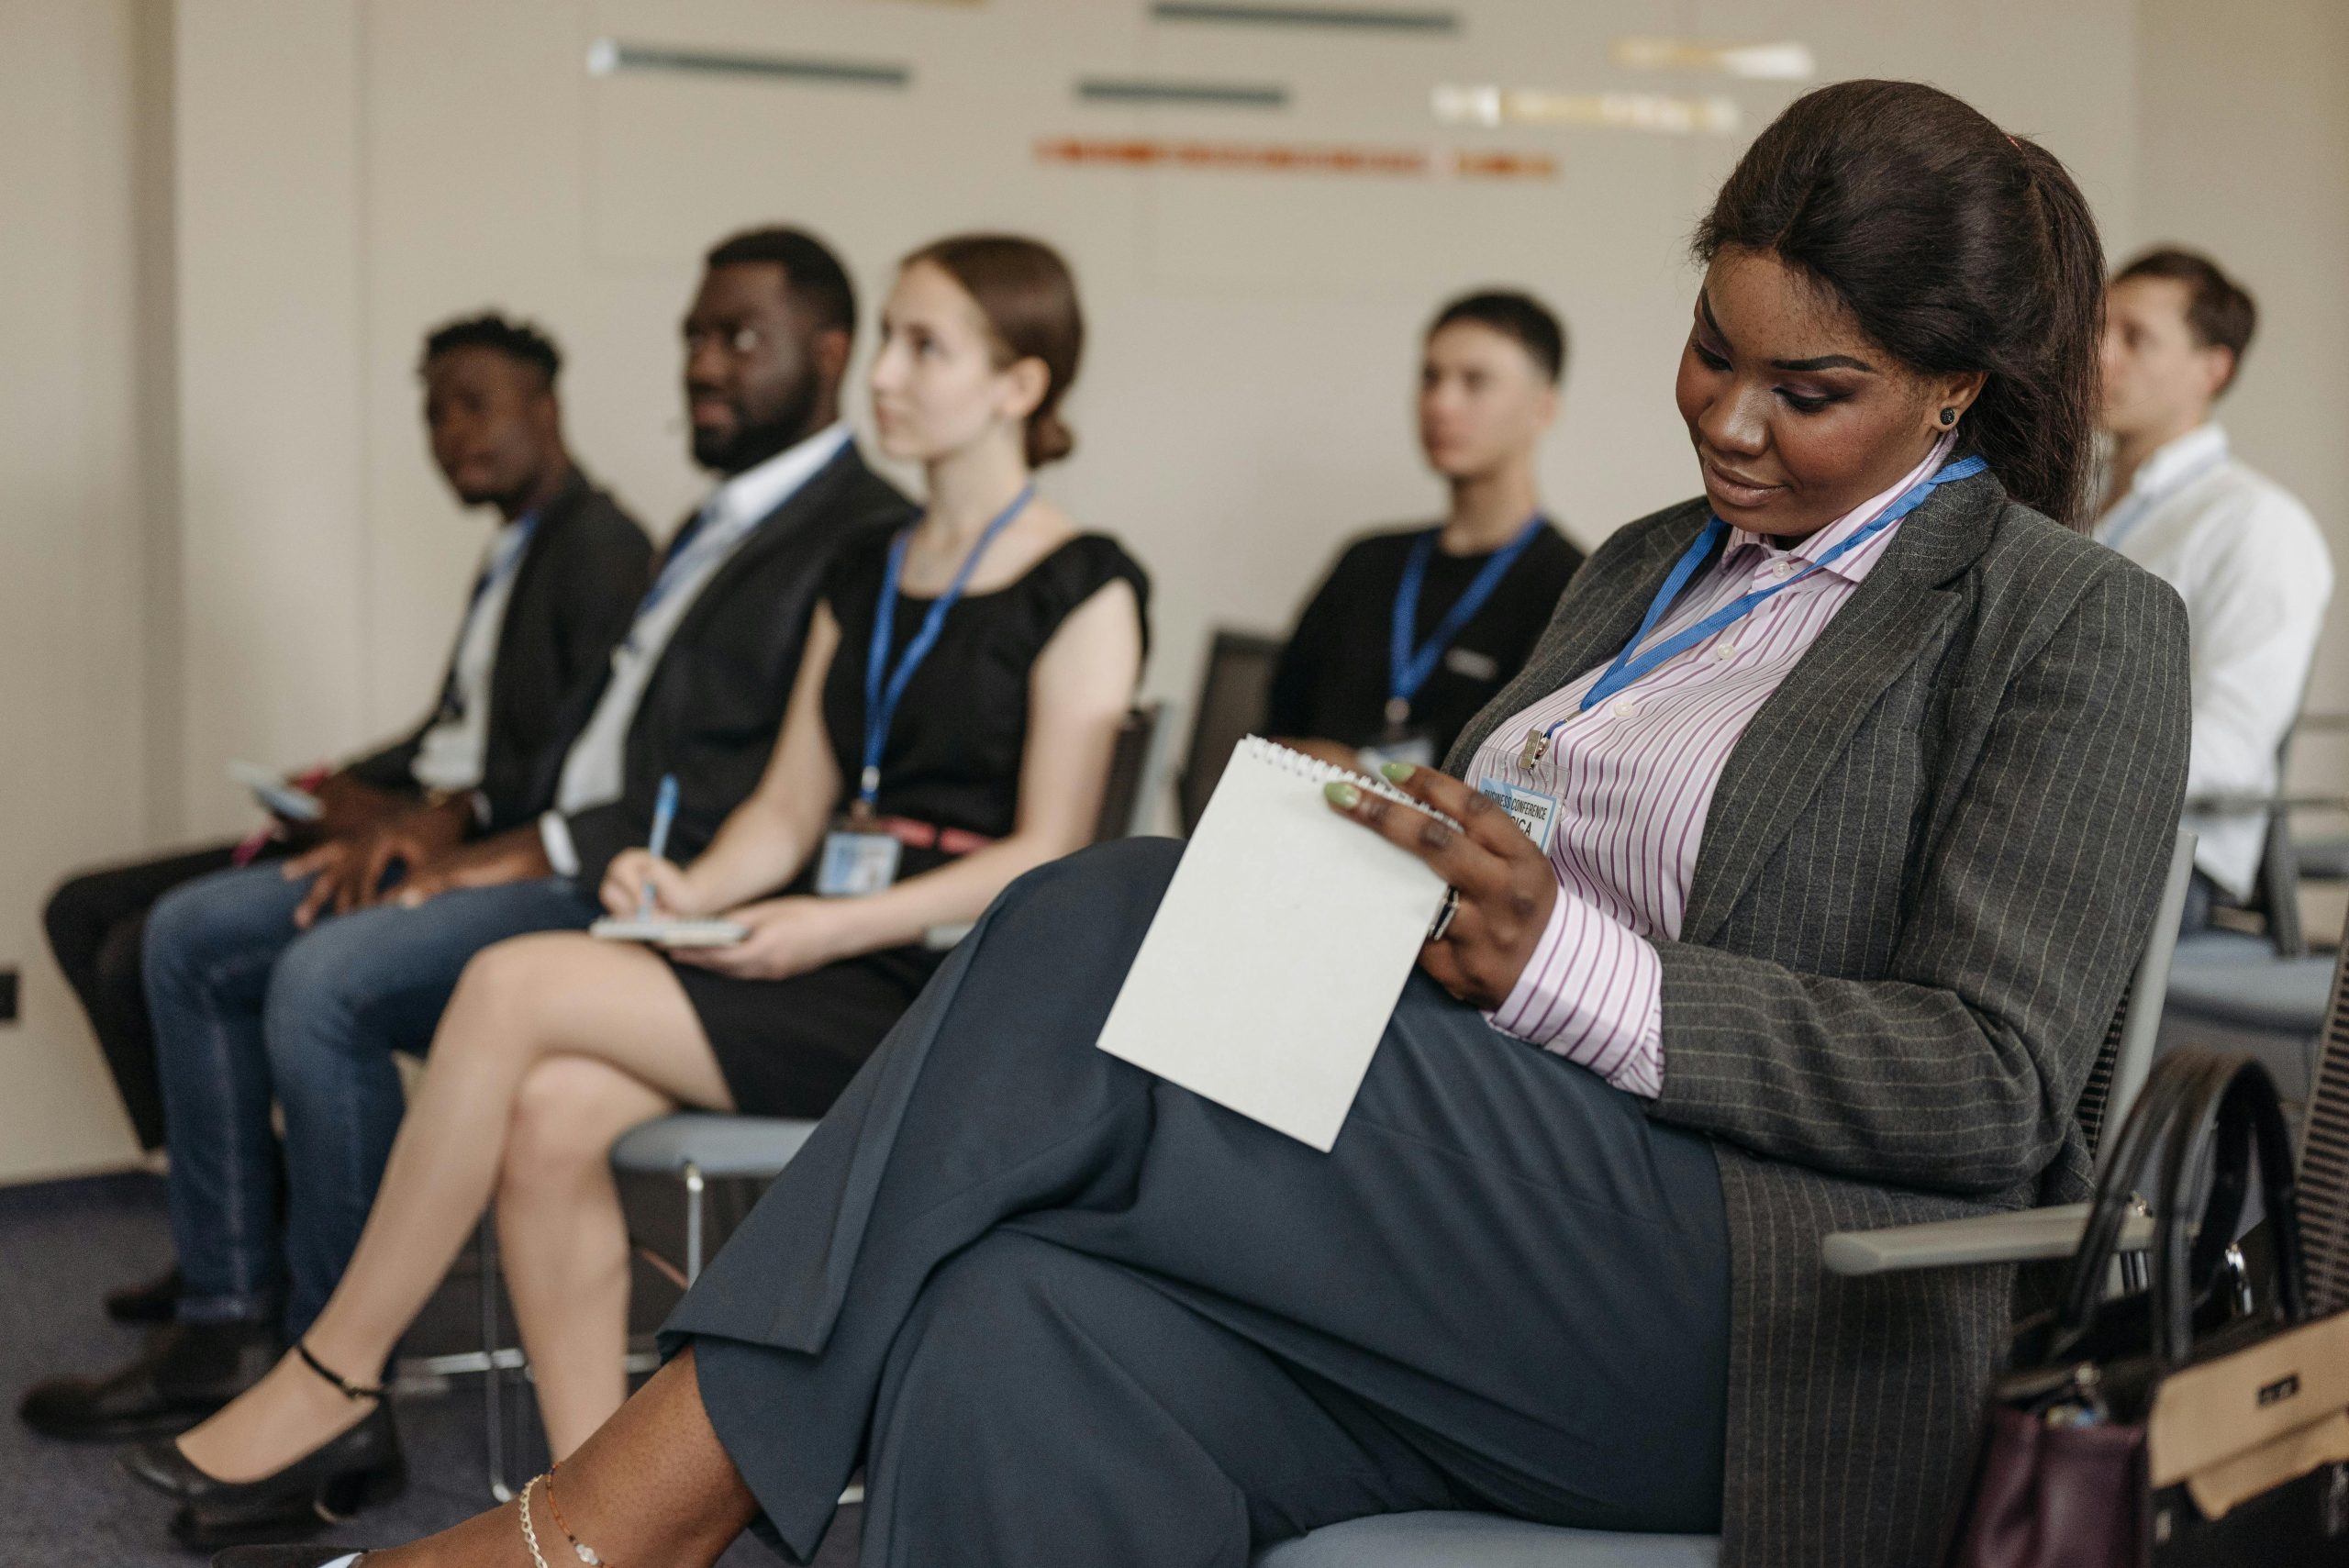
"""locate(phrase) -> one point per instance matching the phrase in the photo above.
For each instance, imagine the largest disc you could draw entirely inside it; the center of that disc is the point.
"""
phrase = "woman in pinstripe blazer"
(1810, 850)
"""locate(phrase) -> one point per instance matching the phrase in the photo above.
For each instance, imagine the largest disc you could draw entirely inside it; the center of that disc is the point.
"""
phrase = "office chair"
(1234, 689)
(1491, 1541)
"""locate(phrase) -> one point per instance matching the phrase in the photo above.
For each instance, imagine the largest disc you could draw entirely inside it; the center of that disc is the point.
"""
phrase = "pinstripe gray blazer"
(1930, 865)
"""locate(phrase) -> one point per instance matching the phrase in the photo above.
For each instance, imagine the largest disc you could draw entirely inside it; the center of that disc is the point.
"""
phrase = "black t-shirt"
(1331, 682)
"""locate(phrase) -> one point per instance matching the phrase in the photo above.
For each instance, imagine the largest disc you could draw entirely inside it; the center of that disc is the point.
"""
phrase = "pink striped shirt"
(1633, 779)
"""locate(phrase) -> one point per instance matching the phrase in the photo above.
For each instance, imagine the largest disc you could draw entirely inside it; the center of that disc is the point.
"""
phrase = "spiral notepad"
(1266, 979)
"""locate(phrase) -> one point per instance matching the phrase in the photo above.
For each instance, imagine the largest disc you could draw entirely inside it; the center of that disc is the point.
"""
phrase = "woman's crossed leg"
(552, 1047)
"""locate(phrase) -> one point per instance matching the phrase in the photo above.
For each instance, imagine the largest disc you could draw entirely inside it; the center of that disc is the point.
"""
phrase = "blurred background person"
(556, 583)
(955, 714)
(286, 993)
(2240, 548)
(1415, 629)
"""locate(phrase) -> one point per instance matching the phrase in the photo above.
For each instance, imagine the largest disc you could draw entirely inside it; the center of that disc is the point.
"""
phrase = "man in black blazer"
(250, 1012)
(557, 587)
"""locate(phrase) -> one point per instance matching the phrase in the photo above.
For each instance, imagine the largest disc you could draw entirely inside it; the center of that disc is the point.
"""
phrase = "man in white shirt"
(249, 1011)
(2240, 549)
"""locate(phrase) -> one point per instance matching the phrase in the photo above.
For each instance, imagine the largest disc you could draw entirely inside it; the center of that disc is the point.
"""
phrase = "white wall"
(2246, 154)
(343, 173)
(1244, 404)
(72, 532)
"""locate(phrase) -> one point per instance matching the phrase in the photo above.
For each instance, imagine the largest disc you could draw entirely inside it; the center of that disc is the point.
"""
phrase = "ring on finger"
(1443, 915)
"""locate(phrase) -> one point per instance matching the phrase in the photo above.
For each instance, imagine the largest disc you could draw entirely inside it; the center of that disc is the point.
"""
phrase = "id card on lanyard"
(1409, 665)
(857, 859)
(856, 862)
(1537, 813)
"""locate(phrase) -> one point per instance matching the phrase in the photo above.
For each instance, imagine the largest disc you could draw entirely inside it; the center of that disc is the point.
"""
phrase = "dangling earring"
(1949, 418)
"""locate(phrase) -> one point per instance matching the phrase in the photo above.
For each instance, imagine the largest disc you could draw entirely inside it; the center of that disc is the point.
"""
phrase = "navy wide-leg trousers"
(1066, 1313)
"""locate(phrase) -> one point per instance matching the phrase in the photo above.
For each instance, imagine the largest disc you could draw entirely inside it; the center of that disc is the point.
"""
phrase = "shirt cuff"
(1593, 993)
(561, 853)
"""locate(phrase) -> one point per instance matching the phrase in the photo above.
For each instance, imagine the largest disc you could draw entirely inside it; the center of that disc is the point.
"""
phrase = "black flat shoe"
(152, 1302)
(186, 1372)
(279, 1556)
(350, 1471)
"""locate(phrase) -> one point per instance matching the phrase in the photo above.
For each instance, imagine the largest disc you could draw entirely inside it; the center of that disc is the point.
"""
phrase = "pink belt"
(926, 835)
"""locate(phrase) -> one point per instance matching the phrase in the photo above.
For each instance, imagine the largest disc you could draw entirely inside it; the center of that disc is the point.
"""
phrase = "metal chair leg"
(492, 1392)
(695, 1189)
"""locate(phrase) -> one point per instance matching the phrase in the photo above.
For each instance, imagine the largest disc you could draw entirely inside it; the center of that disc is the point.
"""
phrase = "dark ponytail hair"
(1957, 247)
(1029, 297)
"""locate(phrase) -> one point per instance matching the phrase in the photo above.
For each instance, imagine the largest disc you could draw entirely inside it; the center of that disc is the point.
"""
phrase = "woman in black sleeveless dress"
(952, 770)
(919, 771)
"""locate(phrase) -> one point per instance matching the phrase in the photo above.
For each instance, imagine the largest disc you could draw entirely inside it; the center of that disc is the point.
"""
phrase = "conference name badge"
(1535, 814)
(854, 864)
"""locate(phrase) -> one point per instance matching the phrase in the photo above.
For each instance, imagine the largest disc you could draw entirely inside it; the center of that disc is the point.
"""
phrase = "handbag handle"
(2149, 1118)
(2228, 1108)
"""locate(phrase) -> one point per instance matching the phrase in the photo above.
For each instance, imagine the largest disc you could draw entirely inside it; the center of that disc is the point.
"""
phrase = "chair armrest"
(2032, 1236)
(2224, 803)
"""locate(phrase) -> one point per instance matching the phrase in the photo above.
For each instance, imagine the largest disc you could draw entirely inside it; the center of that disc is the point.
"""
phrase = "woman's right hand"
(632, 871)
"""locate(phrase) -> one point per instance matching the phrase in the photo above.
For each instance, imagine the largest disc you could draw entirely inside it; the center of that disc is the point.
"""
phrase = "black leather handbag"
(2172, 1426)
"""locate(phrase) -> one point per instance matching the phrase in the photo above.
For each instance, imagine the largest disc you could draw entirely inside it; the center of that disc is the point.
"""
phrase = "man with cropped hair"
(2241, 550)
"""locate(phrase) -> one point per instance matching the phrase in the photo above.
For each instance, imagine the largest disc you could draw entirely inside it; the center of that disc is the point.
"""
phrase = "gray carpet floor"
(62, 1246)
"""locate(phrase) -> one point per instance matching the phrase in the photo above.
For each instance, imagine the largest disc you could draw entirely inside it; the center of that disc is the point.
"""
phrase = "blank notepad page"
(1267, 977)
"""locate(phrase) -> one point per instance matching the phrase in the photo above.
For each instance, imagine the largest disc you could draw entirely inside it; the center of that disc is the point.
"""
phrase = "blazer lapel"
(1802, 729)
(776, 529)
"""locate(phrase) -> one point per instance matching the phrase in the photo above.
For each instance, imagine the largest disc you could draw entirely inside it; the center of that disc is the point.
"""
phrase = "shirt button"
(1622, 707)
(1725, 651)
(1782, 569)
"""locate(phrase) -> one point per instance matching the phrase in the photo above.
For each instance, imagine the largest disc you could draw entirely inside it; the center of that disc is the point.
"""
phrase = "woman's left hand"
(788, 937)
(1506, 885)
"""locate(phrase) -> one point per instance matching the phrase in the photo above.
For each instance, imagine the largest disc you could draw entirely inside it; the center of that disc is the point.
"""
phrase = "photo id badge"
(856, 863)
(1536, 814)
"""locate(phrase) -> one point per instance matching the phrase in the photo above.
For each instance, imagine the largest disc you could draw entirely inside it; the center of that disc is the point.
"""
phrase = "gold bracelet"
(529, 1531)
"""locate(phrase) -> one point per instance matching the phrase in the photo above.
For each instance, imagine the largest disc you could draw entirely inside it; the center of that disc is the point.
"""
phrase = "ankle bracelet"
(579, 1548)
(354, 1392)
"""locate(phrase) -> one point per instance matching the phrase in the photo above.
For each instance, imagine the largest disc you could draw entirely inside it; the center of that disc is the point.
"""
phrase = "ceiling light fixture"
(1757, 61)
(1490, 106)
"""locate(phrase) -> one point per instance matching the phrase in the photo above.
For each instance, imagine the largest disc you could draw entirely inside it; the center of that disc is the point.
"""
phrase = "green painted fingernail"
(1397, 772)
(1342, 795)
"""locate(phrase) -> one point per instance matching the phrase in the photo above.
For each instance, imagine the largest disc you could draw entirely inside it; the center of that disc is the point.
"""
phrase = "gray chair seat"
(2286, 996)
(717, 1146)
(1484, 1541)
(2323, 860)
(2233, 978)
(2229, 992)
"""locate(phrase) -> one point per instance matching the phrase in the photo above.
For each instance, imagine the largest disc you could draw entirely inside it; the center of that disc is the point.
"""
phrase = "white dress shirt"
(452, 752)
(2255, 575)
(594, 769)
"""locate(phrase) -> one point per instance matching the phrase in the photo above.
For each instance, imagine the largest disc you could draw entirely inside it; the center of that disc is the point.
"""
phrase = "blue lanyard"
(1408, 668)
(502, 565)
(2131, 512)
(1627, 669)
(884, 689)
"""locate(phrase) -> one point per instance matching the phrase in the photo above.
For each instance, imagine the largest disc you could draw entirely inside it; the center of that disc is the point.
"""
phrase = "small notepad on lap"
(670, 930)
(1268, 976)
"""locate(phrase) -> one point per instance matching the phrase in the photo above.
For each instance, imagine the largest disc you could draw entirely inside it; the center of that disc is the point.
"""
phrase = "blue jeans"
(249, 1010)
